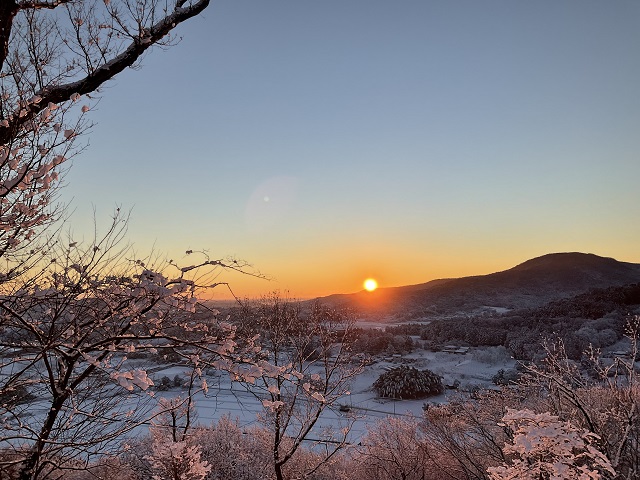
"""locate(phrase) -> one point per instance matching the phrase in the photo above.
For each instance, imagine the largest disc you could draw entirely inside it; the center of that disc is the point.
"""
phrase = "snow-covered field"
(472, 369)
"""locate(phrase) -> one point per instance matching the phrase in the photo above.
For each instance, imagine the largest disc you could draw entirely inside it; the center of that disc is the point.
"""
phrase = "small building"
(455, 349)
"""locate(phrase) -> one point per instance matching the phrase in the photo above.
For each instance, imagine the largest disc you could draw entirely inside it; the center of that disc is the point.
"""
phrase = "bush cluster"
(408, 383)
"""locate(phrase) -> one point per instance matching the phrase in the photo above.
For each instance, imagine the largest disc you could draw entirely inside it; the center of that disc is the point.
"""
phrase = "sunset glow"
(463, 155)
(370, 284)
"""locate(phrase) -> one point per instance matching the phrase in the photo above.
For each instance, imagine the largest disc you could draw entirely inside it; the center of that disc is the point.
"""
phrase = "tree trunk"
(29, 470)
(278, 468)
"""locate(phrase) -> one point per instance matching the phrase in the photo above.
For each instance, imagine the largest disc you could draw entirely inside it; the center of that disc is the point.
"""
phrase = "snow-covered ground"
(472, 369)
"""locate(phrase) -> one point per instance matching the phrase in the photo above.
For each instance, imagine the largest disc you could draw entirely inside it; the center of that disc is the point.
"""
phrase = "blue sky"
(325, 142)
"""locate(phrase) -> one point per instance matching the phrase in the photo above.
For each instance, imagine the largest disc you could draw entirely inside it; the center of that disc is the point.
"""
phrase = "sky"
(330, 141)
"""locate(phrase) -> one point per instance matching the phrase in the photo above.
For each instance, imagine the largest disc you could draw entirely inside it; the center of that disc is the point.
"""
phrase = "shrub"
(164, 385)
(505, 377)
(492, 355)
(408, 382)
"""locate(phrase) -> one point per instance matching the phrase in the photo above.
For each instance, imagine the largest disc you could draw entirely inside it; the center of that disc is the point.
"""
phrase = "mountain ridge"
(529, 284)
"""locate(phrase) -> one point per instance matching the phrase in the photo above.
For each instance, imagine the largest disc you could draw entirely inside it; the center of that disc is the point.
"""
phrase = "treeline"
(595, 318)
(522, 336)
(593, 305)
(375, 342)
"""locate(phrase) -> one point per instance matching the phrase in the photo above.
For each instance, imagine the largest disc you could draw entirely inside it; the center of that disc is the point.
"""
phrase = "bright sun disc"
(370, 284)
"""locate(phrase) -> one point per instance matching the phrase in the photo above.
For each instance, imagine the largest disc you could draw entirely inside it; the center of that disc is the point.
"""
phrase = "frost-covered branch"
(66, 341)
(303, 367)
(94, 49)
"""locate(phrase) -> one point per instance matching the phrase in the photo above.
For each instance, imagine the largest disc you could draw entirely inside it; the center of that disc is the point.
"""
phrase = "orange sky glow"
(419, 140)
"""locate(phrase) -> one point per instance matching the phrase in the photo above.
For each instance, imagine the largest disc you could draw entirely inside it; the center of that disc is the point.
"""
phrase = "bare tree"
(71, 313)
(606, 403)
(54, 53)
(545, 447)
(306, 370)
(173, 455)
(394, 449)
(68, 390)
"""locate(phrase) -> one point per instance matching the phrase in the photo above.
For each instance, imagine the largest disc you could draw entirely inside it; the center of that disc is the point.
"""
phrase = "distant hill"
(531, 284)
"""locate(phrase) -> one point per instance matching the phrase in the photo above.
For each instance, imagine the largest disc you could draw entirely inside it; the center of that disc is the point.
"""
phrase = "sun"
(370, 284)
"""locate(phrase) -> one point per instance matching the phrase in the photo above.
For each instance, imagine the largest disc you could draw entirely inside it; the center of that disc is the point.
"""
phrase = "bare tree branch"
(145, 39)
